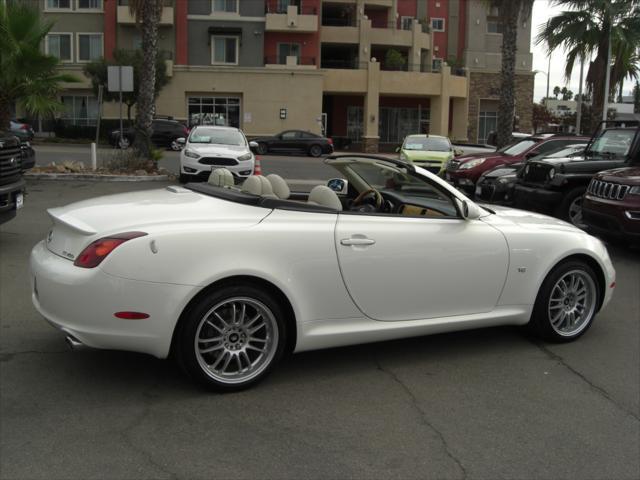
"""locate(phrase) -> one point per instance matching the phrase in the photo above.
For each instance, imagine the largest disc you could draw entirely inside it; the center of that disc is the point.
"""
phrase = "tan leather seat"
(321, 195)
(279, 186)
(221, 177)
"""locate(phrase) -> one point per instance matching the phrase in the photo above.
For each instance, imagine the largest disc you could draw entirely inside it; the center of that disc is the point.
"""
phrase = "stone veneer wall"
(486, 86)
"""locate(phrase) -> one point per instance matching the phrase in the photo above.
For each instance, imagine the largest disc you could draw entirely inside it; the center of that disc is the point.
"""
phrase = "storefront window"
(488, 122)
(220, 111)
(79, 110)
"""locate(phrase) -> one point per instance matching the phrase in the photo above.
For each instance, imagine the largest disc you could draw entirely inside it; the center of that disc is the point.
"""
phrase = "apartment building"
(371, 71)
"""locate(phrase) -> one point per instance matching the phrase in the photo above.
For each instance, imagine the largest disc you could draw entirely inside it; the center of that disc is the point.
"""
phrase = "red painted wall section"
(181, 32)
(407, 9)
(378, 17)
(439, 9)
(110, 24)
(308, 46)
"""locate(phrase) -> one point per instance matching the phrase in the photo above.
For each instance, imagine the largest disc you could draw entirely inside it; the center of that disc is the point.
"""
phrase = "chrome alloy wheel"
(575, 213)
(236, 340)
(572, 303)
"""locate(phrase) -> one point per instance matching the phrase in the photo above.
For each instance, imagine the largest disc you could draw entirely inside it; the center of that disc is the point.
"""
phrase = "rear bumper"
(536, 199)
(612, 217)
(82, 302)
(8, 199)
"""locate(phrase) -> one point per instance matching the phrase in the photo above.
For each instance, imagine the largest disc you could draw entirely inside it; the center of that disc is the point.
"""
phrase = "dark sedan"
(166, 133)
(295, 141)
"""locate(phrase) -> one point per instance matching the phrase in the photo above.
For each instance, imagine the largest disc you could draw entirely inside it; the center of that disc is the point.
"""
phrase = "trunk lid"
(76, 225)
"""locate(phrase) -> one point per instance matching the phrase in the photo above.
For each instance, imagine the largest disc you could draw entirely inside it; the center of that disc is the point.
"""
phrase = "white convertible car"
(228, 279)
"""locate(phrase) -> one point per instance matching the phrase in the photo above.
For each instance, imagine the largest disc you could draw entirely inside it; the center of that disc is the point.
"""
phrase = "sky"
(542, 11)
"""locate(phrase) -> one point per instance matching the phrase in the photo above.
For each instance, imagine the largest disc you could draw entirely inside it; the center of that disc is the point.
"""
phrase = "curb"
(96, 178)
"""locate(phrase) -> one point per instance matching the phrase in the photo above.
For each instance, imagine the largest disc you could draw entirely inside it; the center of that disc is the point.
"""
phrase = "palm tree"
(27, 76)
(509, 11)
(147, 14)
(584, 31)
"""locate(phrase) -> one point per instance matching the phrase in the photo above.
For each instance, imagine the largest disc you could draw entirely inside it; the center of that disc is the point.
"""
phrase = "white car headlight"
(634, 190)
(191, 154)
(472, 164)
(246, 156)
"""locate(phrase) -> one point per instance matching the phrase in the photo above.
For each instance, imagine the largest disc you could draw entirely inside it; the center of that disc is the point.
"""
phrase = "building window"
(59, 45)
(89, 5)
(494, 25)
(487, 122)
(354, 123)
(89, 47)
(406, 23)
(437, 24)
(79, 110)
(222, 111)
(436, 65)
(283, 5)
(224, 50)
(58, 5)
(225, 6)
(288, 50)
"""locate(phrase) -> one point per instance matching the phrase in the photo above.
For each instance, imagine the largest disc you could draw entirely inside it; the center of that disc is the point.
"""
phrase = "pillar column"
(439, 121)
(371, 137)
(181, 33)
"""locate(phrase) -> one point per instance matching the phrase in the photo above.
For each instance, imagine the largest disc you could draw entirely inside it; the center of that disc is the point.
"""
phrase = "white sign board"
(117, 74)
(247, 117)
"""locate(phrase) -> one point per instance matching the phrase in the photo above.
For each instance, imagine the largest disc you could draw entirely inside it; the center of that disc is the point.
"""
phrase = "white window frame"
(497, 22)
(224, 12)
(438, 29)
(213, 49)
(78, 35)
(402, 20)
(68, 34)
(74, 119)
(100, 9)
(57, 9)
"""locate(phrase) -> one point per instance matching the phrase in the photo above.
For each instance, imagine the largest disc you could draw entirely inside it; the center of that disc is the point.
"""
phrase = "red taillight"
(330, 141)
(131, 315)
(24, 126)
(97, 251)
(186, 131)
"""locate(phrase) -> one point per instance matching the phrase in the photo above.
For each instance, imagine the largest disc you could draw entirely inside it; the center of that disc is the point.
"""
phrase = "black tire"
(565, 210)
(174, 145)
(184, 178)
(123, 143)
(194, 322)
(315, 151)
(541, 318)
(262, 148)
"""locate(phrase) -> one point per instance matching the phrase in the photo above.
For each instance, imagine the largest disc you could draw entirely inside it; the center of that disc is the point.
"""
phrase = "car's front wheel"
(571, 207)
(567, 302)
(231, 339)
(262, 148)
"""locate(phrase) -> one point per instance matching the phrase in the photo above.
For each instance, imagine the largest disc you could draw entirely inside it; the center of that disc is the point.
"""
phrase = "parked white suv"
(209, 147)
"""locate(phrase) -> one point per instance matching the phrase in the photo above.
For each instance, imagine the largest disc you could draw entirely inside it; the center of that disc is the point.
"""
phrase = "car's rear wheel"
(123, 142)
(567, 302)
(232, 338)
(315, 150)
(175, 146)
(571, 207)
(262, 148)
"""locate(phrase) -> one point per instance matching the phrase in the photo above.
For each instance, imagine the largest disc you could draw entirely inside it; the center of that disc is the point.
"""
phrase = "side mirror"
(531, 154)
(397, 149)
(457, 152)
(468, 210)
(338, 185)
(181, 141)
(253, 146)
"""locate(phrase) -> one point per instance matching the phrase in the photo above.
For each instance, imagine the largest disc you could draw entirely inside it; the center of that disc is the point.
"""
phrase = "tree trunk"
(5, 113)
(509, 14)
(149, 19)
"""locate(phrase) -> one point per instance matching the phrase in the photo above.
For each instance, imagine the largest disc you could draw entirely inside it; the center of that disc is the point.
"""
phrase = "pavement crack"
(8, 356)
(423, 416)
(596, 388)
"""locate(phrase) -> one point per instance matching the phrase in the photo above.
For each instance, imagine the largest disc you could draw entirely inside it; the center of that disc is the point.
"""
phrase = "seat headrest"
(221, 177)
(322, 195)
(280, 187)
(257, 185)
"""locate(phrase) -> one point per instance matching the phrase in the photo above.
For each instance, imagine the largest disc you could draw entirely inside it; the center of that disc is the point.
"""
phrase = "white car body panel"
(485, 271)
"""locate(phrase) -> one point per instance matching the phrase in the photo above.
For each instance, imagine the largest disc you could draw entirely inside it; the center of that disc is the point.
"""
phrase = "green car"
(430, 152)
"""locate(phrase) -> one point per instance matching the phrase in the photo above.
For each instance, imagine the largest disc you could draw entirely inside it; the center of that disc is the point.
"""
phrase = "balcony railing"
(302, 10)
(339, 22)
(282, 60)
(353, 64)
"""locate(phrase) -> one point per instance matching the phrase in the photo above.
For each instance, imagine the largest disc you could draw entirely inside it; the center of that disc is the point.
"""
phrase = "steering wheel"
(360, 198)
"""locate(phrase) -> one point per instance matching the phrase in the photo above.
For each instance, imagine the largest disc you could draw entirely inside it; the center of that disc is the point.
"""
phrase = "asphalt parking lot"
(484, 404)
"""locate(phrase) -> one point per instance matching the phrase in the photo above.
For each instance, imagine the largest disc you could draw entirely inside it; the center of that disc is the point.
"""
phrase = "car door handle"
(360, 241)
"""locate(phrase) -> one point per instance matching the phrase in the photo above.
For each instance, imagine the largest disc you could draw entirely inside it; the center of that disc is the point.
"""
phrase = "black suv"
(12, 184)
(556, 185)
(165, 134)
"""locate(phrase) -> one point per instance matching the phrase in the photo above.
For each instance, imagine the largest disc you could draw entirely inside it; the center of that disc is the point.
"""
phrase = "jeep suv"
(12, 184)
(556, 185)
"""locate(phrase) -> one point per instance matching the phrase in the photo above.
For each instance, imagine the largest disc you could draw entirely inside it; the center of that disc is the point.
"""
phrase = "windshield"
(433, 144)
(612, 143)
(567, 151)
(518, 147)
(217, 136)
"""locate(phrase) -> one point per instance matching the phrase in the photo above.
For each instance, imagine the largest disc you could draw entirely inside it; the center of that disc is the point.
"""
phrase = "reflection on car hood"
(217, 150)
(535, 222)
(488, 156)
(501, 171)
(427, 155)
(628, 175)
